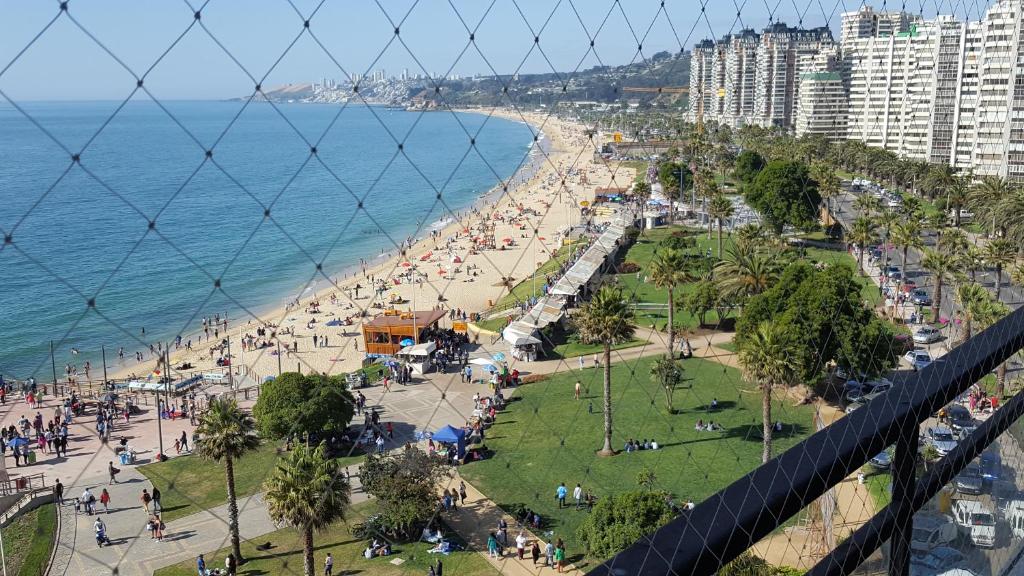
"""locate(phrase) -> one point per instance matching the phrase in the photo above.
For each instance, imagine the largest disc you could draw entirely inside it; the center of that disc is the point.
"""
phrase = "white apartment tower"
(740, 78)
(784, 55)
(702, 87)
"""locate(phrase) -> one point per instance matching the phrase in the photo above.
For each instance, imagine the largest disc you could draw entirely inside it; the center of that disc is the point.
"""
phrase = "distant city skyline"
(64, 64)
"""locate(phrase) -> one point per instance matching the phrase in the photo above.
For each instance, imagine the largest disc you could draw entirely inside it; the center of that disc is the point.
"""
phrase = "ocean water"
(81, 231)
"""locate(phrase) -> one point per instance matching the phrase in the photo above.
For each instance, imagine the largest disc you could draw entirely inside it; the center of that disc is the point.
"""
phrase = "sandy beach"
(444, 269)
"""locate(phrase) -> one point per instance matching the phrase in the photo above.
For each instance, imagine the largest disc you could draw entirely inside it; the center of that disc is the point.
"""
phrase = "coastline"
(535, 199)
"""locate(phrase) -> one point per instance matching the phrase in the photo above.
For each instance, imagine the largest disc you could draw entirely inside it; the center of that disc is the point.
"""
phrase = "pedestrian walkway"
(477, 517)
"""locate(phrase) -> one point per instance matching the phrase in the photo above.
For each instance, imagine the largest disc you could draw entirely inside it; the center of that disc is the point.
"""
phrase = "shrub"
(618, 521)
(629, 268)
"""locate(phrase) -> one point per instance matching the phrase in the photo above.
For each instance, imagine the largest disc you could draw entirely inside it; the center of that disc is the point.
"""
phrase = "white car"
(918, 358)
(927, 335)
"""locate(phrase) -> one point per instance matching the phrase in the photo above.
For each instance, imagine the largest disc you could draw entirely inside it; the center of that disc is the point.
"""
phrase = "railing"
(730, 522)
(19, 484)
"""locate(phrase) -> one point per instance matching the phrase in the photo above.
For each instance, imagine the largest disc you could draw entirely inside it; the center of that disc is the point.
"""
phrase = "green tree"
(668, 271)
(972, 298)
(907, 234)
(619, 520)
(998, 254)
(867, 205)
(642, 191)
(667, 373)
(404, 485)
(647, 479)
(942, 267)
(227, 433)
(606, 320)
(862, 234)
(747, 166)
(829, 185)
(720, 209)
(308, 491)
(703, 298)
(768, 361)
(785, 195)
(746, 271)
(300, 404)
(988, 313)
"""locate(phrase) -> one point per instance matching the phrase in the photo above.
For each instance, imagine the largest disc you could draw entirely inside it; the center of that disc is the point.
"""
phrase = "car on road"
(941, 439)
(866, 391)
(927, 335)
(893, 272)
(959, 417)
(920, 297)
(918, 358)
(969, 480)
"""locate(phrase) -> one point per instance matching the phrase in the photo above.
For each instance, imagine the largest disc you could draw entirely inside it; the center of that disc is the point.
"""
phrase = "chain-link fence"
(606, 257)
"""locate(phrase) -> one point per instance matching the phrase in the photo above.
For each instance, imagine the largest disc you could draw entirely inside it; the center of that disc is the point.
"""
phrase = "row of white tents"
(551, 307)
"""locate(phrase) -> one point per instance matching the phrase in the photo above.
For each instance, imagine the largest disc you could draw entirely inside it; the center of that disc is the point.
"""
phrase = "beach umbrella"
(457, 260)
(406, 342)
(406, 264)
(506, 240)
(17, 442)
(481, 362)
(334, 322)
(499, 357)
(441, 272)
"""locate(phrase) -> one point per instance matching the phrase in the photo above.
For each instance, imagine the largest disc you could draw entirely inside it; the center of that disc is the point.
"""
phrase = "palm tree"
(862, 234)
(720, 208)
(971, 297)
(768, 360)
(907, 234)
(942, 267)
(998, 254)
(828, 183)
(986, 196)
(668, 271)
(309, 491)
(989, 312)
(956, 196)
(607, 319)
(866, 205)
(953, 241)
(939, 179)
(746, 270)
(227, 434)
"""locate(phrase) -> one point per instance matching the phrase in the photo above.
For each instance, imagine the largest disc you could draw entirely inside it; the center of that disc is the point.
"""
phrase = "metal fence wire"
(197, 197)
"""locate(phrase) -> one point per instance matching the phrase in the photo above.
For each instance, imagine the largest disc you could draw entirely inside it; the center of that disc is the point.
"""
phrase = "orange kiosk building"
(383, 335)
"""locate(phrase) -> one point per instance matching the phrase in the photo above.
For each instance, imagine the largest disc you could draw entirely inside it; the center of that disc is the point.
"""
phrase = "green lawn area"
(574, 349)
(286, 555)
(545, 437)
(878, 486)
(729, 346)
(189, 484)
(526, 288)
(29, 540)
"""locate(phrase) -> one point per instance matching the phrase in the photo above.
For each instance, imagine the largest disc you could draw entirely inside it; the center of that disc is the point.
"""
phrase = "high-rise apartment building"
(752, 78)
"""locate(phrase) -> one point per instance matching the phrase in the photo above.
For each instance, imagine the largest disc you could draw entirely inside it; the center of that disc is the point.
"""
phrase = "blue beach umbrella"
(406, 342)
(499, 357)
(18, 442)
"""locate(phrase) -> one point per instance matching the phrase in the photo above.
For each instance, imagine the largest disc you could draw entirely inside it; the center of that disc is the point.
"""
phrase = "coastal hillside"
(601, 84)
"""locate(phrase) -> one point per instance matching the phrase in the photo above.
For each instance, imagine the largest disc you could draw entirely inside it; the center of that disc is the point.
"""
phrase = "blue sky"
(65, 64)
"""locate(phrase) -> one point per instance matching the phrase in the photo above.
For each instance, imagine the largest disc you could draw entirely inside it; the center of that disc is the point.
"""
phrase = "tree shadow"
(722, 405)
(752, 432)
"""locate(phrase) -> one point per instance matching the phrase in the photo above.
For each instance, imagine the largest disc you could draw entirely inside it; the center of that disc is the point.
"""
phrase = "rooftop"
(422, 318)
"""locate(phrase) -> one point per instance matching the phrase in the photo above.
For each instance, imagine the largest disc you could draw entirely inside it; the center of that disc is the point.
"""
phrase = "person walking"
(492, 545)
(201, 565)
(329, 565)
(576, 391)
(462, 492)
(113, 472)
(560, 494)
(230, 564)
(158, 527)
(520, 545)
(101, 533)
(577, 494)
(58, 493)
(549, 554)
(146, 499)
(535, 552)
(105, 500)
(184, 441)
(157, 507)
(560, 555)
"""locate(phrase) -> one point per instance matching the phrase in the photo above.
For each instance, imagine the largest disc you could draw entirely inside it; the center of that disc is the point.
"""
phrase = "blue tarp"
(451, 435)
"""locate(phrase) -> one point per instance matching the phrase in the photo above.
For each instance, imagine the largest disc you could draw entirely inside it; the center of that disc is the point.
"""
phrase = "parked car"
(865, 392)
(932, 531)
(927, 335)
(920, 297)
(882, 461)
(959, 417)
(969, 480)
(991, 464)
(976, 521)
(918, 358)
(941, 557)
(893, 272)
(942, 439)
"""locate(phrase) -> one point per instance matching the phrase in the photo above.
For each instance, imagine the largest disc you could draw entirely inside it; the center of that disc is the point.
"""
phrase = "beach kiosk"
(419, 357)
(456, 437)
(394, 330)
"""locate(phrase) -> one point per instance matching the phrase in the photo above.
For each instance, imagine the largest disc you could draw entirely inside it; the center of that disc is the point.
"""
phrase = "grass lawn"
(190, 484)
(574, 349)
(878, 482)
(286, 555)
(545, 437)
(730, 346)
(29, 540)
(527, 288)
(495, 325)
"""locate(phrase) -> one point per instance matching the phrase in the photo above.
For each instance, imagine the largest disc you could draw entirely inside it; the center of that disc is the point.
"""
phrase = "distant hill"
(598, 84)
